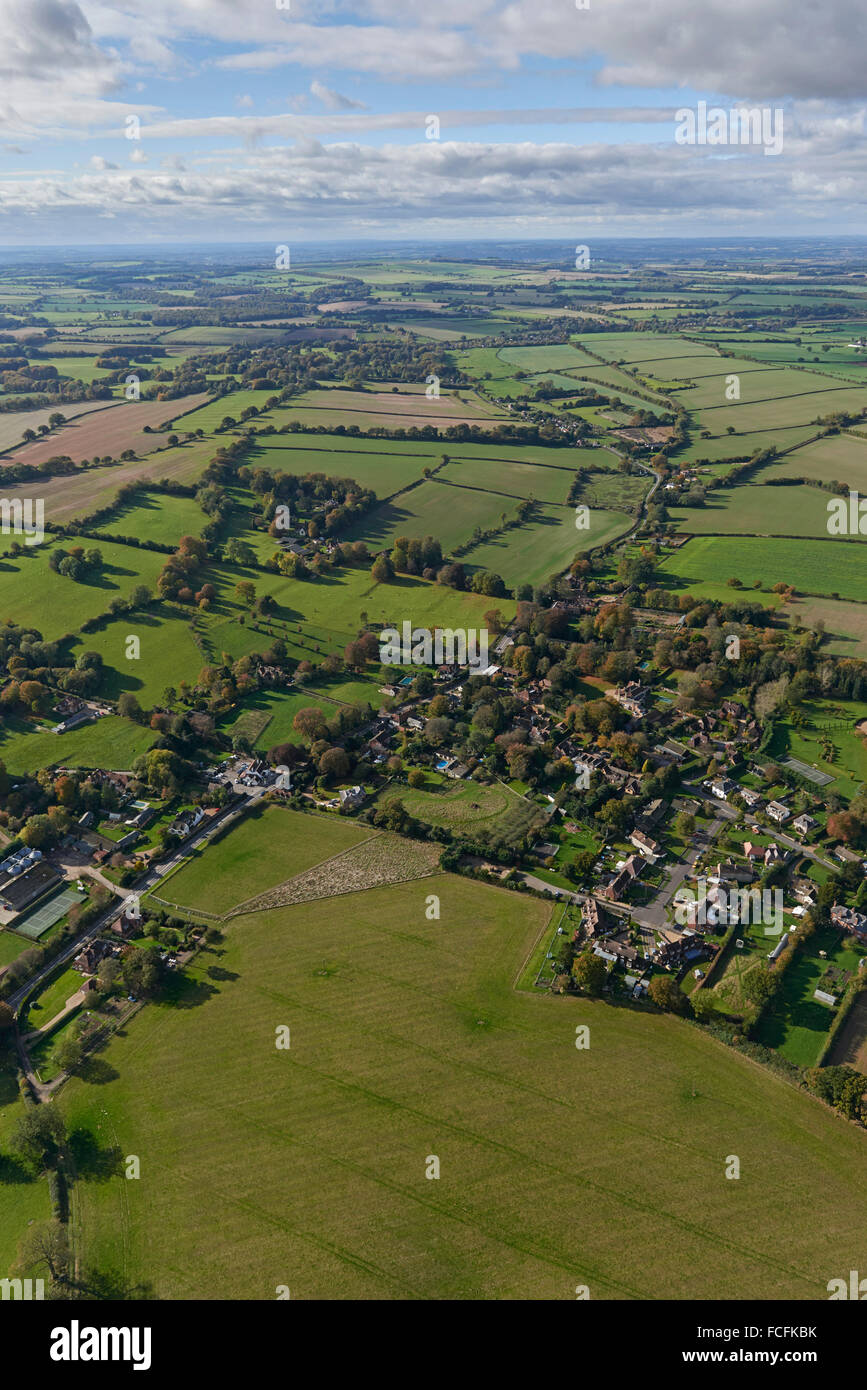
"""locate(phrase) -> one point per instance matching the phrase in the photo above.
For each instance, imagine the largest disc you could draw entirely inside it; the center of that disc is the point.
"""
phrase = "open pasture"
(704, 565)
(269, 845)
(407, 1039)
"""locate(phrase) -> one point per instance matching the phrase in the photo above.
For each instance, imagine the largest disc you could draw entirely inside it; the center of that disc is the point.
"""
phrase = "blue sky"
(258, 121)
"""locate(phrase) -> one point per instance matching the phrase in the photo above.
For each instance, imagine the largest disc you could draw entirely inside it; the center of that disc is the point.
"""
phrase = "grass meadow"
(306, 1166)
(266, 847)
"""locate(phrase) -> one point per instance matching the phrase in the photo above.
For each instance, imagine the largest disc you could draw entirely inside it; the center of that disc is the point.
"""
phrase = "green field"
(546, 544)
(269, 845)
(23, 1199)
(466, 807)
(111, 743)
(797, 1024)
(432, 509)
(168, 653)
(54, 604)
(263, 1167)
(758, 509)
(157, 517)
(835, 458)
(811, 566)
(806, 742)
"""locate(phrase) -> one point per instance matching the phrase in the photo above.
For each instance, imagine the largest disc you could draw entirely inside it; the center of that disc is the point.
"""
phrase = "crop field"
(452, 328)
(14, 423)
(101, 433)
(850, 1045)
(393, 408)
(743, 445)
(810, 566)
(801, 408)
(78, 494)
(313, 1166)
(266, 847)
(757, 386)
(636, 348)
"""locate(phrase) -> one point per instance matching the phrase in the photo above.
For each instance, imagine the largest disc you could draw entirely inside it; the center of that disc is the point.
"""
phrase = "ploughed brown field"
(109, 431)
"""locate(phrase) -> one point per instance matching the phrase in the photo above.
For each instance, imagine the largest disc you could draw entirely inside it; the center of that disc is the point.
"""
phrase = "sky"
(148, 121)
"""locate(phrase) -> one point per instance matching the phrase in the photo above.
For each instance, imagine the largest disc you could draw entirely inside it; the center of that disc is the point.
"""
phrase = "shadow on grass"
(92, 1162)
(109, 1286)
(96, 1071)
(183, 992)
(12, 1171)
(219, 972)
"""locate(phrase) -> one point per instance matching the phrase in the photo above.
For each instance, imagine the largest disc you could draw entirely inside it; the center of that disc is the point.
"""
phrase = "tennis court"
(820, 779)
(44, 916)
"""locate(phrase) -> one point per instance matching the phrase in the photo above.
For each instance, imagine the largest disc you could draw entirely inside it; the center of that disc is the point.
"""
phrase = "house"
(750, 798)
(804, 825)
(777, 812)
(186, 823)
(632, 697)
(848, 919)
(623, 952)
(594, 919)
(87, 961)
(624, 878)
(774, 855)
(729, 872)
(651, 849)
(653, 812)
(125, 926)
(351, 796)
(752, 851)
(722, 788)
(733, 709)
(680, 948)
(81, 716)
(674, 750)
(457, 770)
(87, 820)
(804, 890)
(846, 856)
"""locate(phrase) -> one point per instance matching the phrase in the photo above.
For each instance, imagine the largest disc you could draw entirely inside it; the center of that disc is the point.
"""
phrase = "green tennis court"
(44, 916)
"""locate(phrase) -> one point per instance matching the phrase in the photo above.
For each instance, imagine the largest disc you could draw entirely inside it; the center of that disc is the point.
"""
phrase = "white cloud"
(549, 189)
(334, 101)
